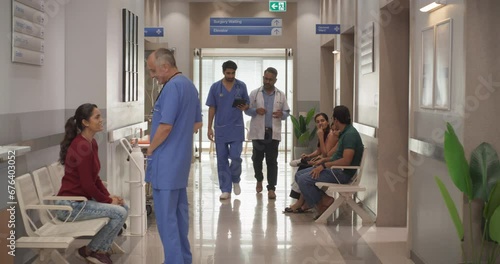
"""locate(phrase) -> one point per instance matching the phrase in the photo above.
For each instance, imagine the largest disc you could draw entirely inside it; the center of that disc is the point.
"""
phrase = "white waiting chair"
(48, 236)
(47, 195)
(56, 172)
(345, 193)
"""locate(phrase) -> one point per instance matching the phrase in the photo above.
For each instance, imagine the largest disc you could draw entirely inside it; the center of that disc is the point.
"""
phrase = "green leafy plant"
(478, 179)
(301, 128)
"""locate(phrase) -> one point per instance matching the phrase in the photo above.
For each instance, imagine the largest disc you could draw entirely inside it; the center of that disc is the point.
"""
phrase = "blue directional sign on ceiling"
(245, 26)
(153, 32)
(245, 31)
(327, 29)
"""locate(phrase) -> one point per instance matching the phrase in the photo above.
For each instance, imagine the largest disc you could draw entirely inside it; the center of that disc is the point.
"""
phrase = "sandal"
(301, 211)
(288, 210)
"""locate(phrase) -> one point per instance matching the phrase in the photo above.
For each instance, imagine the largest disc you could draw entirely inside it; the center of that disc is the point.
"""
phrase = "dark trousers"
(268, 149)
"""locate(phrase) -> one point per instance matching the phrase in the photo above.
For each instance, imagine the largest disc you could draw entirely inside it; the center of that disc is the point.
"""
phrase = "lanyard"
(164, 88)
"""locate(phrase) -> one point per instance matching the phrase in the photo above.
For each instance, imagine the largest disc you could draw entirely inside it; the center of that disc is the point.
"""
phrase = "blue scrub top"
(228, 125)
(178, 105)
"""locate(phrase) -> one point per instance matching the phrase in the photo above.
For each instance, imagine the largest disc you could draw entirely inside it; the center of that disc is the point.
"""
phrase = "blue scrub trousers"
(172, 218)
(229, 174)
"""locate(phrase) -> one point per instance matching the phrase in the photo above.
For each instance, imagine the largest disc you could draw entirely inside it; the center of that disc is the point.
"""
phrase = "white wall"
(120, 114)
(175, 20)
(86, 53)
(367, 85)
(307, 55)
(32, 97)
(27, 88)
(429, 218)
(428, 120)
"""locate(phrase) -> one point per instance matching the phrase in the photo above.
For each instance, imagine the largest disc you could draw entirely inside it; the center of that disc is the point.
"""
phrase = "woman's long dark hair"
(326, 131)
(73, 127)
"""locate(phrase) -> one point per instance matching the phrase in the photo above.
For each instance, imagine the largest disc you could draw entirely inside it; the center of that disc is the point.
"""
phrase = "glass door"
(207, 69)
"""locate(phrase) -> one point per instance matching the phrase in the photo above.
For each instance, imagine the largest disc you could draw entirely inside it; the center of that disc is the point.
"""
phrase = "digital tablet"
(239, 101)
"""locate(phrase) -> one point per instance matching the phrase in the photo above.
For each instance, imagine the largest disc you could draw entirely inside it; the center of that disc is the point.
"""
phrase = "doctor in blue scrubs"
(176, 115)
(227, 99)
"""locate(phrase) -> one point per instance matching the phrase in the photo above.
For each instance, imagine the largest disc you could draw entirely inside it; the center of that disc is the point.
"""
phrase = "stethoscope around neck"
(261, 90)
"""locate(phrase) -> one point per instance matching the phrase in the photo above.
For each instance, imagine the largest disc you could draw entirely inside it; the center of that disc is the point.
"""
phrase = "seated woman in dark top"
(79, 154)
(327, 140)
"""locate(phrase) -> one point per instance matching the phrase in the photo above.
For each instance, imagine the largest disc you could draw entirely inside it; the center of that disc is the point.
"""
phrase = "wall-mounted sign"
(153, 32)
(245, 26)
(327, 29)
(28, 31)
(245, 31)
(277, 6)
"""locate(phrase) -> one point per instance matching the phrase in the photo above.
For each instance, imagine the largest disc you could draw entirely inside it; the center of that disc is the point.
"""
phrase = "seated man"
(349, 152)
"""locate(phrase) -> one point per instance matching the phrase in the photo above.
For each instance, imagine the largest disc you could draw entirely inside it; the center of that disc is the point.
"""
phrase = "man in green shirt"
(348, 153)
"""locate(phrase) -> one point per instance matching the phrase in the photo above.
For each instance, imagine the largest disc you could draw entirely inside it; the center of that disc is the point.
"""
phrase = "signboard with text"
(327, 29)
(153, 32)
(245, 26)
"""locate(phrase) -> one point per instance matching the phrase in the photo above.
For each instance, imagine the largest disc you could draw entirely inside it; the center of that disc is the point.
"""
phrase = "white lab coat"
(257, 129)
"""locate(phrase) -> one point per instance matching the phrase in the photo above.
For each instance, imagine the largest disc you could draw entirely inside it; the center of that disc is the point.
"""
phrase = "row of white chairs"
(35, 198)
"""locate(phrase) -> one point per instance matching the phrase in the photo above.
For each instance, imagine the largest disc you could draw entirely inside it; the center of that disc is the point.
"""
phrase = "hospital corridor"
(249, 131)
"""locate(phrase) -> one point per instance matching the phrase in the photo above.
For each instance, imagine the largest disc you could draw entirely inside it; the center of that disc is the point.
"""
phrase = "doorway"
(207, 69)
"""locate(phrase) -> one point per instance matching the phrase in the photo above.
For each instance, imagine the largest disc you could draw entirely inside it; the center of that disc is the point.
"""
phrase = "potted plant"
(303, 132)
(477, 179)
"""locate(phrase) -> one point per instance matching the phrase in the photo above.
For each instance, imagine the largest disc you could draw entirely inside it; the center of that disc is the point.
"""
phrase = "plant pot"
(297, 152)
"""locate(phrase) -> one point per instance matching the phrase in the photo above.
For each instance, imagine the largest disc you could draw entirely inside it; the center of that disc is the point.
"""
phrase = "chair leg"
(329, 211)
(58, 258)
(44, 256)
(367, 219)
(246, 146)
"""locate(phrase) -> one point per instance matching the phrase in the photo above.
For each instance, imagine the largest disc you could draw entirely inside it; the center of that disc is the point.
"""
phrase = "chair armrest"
(345, 167)
(63, 198)
(334, 187)
(49, 207)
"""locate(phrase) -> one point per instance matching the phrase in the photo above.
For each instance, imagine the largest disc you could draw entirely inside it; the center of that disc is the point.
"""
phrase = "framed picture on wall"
(443, 65)
(427, 69)
(435, 75)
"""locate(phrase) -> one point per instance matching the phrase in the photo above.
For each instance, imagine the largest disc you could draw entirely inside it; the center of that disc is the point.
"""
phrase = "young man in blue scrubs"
(176, 115)
(227, 99)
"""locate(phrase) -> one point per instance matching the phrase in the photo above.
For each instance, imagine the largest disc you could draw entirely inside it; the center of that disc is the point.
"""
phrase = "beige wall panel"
(200, 14)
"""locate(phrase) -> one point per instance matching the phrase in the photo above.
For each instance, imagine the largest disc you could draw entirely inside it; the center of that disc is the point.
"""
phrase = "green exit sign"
(277, 6)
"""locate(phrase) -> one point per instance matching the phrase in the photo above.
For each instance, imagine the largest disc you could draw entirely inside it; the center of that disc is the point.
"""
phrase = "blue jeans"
(311, 193)
(117, 215)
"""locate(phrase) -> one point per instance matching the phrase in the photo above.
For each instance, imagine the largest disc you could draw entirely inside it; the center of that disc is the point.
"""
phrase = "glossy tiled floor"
(250, 228)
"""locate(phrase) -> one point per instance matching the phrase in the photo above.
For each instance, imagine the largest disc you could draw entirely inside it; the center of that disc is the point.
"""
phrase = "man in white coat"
(268, 107)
